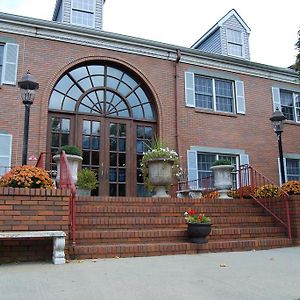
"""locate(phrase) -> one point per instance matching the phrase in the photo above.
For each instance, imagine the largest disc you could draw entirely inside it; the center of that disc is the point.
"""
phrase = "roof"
(219, 24)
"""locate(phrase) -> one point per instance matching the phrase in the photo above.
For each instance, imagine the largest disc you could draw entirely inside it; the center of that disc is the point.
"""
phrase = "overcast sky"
(274, 24)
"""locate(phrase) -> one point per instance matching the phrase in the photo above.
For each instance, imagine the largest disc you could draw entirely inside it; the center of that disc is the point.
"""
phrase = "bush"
(27, 177)
(222, 162)
(211, 195)
(86, 179)
(70, 149)
(268, 190)
(246, 190)
(291, 187)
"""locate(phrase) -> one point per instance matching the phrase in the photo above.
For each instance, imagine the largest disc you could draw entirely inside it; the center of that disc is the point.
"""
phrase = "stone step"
(170, 248)
(97, 222)
(86, 237)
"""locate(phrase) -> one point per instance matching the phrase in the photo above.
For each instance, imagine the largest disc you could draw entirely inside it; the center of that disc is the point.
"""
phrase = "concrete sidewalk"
(255, 275)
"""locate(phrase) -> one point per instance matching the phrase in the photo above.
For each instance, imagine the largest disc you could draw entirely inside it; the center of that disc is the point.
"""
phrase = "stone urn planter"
(73, 161)
(197, 232)
(160, 175)
(223, 179)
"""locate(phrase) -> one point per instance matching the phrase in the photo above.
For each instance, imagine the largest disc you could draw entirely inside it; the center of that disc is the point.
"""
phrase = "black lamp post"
(28, 87)
(277, 120)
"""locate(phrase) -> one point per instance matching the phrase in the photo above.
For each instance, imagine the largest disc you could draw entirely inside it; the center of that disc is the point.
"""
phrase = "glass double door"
(106, 144)
(113, 148)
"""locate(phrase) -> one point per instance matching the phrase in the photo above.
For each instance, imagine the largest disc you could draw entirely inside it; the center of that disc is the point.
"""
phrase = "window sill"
(289, 122)
(218, 113)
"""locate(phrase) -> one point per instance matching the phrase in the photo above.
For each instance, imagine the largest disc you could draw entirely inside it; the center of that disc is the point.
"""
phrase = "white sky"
(274, 24)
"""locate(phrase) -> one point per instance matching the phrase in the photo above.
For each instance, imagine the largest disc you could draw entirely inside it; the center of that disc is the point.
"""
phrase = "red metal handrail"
(205, 185)
(276, 204)
(66, 182)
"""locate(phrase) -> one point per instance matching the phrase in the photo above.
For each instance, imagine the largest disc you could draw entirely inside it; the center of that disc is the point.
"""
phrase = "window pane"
(203, 92)
(287, 105)
(224, 96)
(293, 169)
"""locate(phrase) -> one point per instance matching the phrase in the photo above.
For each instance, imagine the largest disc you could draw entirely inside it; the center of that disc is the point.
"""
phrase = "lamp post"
(28, 87)
(277, 120)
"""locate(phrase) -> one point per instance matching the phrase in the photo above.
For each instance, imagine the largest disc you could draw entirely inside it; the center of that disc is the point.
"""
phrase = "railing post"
(240, 182)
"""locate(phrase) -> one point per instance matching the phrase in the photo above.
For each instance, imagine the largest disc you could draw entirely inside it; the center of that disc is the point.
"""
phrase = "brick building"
(110, 94)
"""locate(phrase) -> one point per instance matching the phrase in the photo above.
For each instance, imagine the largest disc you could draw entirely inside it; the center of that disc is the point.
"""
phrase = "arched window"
(101, 90)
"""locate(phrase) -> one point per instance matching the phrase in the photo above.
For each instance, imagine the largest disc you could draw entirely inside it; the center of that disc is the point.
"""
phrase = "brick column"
(294, 205)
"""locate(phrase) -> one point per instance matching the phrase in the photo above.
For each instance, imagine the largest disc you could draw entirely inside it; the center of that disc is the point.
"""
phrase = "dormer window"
(234, 43)
(83, 12)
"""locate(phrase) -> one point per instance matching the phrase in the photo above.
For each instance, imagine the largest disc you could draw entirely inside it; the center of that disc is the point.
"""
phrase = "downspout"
(177, 105)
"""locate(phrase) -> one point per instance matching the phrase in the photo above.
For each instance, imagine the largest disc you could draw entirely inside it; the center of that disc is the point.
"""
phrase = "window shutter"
(189, 89)
(192, 165)
(240, 97)
(5, 153)
(244, 159)
(279, 170)
(276, 98)
(10, 63)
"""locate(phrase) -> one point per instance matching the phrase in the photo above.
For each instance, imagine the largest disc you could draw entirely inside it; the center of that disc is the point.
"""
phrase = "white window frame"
(234, 43)
(214, 96)
(295, 95)
(93, 13)
(2, 62)
(7, 168)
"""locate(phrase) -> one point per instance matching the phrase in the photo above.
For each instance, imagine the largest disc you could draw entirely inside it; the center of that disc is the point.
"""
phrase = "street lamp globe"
(277, 120)
(28, 86)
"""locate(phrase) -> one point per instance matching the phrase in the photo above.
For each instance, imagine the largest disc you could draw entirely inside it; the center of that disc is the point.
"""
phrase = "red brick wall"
(32, 210)
(48, 60)
(294, 205)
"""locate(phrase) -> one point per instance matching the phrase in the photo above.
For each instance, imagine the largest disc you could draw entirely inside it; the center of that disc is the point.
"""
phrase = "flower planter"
(73, 161)
(83, 192)
(223, 179)
(197, 232)
(160, 175)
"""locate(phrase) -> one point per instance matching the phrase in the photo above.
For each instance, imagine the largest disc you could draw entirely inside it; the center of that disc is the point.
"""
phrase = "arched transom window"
(103, 90)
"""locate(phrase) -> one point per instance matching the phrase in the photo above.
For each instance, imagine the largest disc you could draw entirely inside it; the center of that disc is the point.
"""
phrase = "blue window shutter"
(279, 170)
(276, 98)
(240, 97)
(10, 63)
(244, 159)
(5, 153)
(192, 165)
(189, 89)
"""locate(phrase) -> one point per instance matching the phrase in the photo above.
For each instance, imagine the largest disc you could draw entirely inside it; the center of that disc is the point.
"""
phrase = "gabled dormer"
(230, 37)
(86, 13)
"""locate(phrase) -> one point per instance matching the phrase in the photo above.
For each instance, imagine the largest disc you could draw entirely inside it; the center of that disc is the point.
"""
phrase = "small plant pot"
(83, 192)
(197, 232)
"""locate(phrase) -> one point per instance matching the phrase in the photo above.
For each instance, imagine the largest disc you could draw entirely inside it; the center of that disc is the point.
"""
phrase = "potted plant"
(222, 169)
(74, 157)
(159, 166)
(199, 226)
(86, 182)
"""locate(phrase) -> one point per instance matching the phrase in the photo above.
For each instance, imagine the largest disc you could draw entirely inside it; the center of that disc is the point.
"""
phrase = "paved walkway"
(255, 275)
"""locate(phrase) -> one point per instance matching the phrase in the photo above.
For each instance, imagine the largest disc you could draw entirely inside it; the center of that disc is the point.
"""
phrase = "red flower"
(192, 212)
(200, 217)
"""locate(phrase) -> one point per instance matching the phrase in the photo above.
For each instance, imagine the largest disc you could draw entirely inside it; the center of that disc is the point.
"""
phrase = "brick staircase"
(124, 227)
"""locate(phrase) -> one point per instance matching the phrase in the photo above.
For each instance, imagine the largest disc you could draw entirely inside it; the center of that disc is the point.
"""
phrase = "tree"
(297, 64)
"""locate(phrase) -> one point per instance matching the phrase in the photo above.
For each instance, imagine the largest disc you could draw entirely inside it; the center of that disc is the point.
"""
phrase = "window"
(214, 94)
(83, 12)
(234, 43)
(1, 59)
(292, 169)
(206, 160)
(290, 105)
(5, 152)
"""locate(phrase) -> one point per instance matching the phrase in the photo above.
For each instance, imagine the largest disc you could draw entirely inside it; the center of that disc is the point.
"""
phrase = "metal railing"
(65, 182)
(267, 194)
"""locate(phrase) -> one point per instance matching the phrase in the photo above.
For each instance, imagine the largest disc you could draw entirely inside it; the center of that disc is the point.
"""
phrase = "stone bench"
(59, 238)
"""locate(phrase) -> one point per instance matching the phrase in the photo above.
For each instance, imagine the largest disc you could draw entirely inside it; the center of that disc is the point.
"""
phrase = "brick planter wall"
(294, 205)
(30, 210)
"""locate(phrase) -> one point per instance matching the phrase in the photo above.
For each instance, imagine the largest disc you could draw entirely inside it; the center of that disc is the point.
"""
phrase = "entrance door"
(112, 147)
(106, 144)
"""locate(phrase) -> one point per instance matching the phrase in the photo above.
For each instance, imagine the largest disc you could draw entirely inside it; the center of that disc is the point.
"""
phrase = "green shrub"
(71, 149)
(222, 162)
(87, 179)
